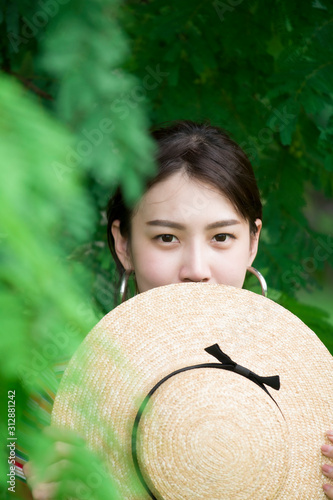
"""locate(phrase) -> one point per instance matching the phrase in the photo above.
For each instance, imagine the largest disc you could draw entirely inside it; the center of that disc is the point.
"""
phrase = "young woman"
(199, 220)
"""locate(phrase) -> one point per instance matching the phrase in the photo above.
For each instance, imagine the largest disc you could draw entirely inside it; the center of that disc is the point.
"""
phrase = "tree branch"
(30, 85)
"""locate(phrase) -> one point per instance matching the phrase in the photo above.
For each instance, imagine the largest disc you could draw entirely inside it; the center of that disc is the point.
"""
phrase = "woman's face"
(184, 230)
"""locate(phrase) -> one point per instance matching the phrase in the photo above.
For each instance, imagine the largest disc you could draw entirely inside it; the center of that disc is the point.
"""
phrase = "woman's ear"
(254, 241)
(121, 245)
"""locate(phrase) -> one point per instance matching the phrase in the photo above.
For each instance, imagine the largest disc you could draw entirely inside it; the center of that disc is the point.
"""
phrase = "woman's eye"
(222, 237)
(167, 238)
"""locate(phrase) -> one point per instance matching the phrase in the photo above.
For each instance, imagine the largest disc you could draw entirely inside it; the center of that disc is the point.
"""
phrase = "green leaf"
(329, 163)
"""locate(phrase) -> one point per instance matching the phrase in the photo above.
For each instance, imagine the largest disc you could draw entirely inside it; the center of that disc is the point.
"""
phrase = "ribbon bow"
(229, 364)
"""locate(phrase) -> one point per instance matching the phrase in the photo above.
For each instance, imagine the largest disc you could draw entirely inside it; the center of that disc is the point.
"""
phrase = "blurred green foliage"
(81, 83)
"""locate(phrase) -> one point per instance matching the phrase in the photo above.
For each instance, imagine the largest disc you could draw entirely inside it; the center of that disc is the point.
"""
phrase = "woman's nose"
(195, 266)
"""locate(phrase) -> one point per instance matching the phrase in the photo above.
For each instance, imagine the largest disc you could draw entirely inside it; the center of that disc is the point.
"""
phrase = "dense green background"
(81, 83)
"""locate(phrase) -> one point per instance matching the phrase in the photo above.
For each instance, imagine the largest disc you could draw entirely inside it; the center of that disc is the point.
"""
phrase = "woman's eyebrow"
(223, 223)
(176, 225)
(165, 223)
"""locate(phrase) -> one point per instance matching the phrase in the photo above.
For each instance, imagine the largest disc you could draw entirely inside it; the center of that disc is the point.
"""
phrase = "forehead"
(183, 198)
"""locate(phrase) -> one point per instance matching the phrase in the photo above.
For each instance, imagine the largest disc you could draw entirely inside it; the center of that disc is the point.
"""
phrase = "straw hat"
(204, 433)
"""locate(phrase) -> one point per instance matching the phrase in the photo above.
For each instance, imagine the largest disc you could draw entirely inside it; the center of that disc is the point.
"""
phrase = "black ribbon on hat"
(229, 364)
(226, 363)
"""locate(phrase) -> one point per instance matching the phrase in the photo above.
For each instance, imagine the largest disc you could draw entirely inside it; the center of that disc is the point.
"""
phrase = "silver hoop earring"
(261, 279)
(124, 286)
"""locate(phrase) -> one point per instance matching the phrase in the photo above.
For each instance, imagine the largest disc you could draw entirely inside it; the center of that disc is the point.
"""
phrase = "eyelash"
(160, 236)
(232, 236)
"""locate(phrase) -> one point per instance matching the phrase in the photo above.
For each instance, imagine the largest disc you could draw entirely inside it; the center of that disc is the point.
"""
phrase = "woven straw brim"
(206, 433)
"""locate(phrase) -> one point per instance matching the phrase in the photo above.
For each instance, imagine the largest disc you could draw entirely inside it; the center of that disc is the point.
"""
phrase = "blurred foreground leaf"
(45, 309)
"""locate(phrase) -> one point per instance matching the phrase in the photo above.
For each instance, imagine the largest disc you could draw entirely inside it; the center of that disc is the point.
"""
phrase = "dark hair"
(205, 153)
